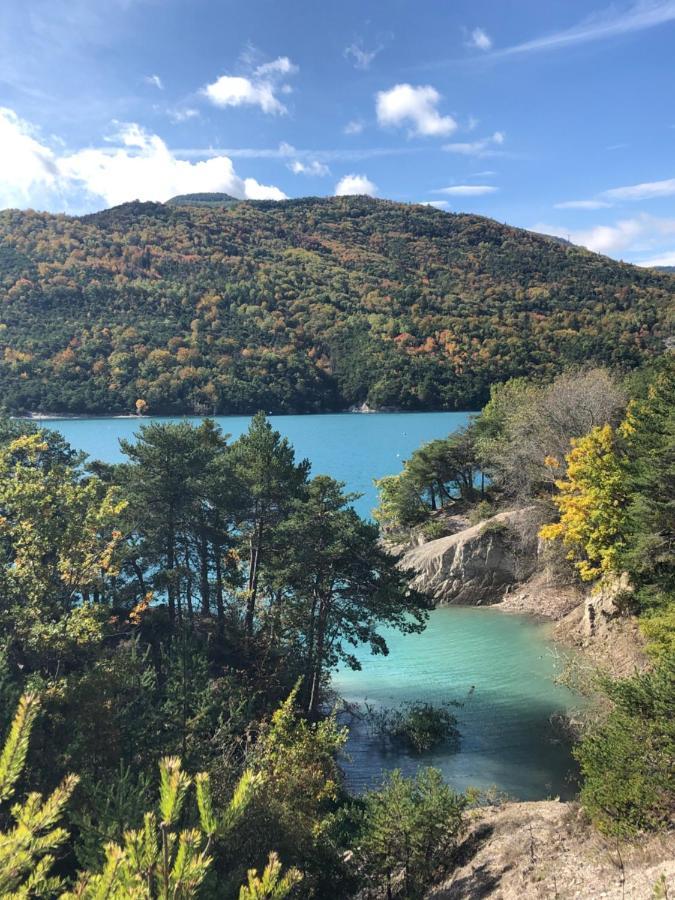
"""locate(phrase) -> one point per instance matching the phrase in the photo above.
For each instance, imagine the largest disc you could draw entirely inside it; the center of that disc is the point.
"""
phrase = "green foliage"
(437, 474)
(420, 726)
(649, 554)
(409, 832)
(59, 542)
(304, 305)
(28, 845)
(627, 759)
(271, 885)
(161, 860)
(298, 792)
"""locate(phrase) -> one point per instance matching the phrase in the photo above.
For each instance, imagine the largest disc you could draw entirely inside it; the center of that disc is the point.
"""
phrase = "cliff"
(478, 564)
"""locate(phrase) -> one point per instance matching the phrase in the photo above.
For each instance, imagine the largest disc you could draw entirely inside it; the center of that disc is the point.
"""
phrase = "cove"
(499, 666)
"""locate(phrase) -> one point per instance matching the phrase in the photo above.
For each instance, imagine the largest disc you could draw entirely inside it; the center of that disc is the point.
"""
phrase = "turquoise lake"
(499, 667)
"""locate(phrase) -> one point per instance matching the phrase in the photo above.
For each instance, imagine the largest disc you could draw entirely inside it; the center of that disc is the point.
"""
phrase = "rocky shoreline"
(543, 849)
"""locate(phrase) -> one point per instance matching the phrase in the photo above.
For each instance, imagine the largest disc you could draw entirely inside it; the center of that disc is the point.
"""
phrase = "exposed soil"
(549, 850)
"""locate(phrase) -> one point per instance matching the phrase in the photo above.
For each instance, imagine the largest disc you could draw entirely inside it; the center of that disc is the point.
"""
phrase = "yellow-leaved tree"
(592, 505)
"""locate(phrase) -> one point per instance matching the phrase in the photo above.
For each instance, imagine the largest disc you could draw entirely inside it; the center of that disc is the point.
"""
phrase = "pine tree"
(28, 846)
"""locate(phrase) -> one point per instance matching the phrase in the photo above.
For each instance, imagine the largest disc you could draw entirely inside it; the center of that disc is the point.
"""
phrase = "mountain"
(302, 305)
(208, 199)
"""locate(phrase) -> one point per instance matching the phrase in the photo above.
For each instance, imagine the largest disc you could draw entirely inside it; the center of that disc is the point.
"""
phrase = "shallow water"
(499, 666)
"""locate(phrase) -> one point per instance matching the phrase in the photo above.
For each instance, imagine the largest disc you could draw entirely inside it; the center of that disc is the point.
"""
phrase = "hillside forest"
(218, 307)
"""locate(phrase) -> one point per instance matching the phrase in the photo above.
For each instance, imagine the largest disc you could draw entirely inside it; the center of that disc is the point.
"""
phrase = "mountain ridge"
(302, 305)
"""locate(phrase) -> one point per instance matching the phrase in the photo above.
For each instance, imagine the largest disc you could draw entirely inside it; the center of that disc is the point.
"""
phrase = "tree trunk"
(220, 608)
(315, 693)
(254, 561)
(171, 565)
(204, 587)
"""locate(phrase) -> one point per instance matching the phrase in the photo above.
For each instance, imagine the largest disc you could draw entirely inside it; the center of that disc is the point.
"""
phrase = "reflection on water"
(499, 667)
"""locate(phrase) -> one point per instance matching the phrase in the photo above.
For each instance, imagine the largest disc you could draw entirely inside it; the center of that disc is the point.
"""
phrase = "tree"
(591, 503)
(59, 546)
(648, 432)
(299, 789)
(165, 483)
(524, 425)
(160, 861)
(408, 832)
(626, 759)
(341, 584)
(265, 464)
(27, 848)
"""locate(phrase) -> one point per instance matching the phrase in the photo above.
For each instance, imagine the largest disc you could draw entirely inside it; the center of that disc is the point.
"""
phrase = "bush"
(480, 512)
(409, 833)
(627, 759)
(419, 726)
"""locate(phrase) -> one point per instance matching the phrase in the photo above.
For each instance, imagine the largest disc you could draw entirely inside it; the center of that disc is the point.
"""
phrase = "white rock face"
(477, 565)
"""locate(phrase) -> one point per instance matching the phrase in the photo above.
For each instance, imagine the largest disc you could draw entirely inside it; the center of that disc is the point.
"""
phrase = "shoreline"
(66, 417)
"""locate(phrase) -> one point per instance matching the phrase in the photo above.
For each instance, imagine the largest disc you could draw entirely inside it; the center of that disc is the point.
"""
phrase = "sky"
(553, 115)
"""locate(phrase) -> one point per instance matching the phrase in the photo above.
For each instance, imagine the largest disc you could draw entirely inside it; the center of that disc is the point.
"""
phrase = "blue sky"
(555, 115)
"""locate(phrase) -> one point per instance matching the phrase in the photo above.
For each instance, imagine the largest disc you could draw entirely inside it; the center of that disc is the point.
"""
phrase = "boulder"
(476, 565)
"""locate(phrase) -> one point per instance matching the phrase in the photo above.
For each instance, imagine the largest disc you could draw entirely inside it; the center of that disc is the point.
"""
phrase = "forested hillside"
(303, 305)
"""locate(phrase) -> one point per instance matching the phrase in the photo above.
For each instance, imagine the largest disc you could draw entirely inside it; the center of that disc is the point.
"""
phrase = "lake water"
(500, 667)
(354, 447)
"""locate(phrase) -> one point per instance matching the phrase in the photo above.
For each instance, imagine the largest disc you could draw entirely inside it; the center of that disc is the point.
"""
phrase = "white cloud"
(479, 40)
(599, 26)
(313, 167)
(183, 115)
(142, 167)
(467, 190)
(356, 126)
(636, 235)
(279, 66)
(28, 169)
(582, 204)
(259, 90)
(355, 184)
(155, 81)
(361, 57)
(648, 190)
(416, 106)
(667, 259)
(483, 147)
(437, 204)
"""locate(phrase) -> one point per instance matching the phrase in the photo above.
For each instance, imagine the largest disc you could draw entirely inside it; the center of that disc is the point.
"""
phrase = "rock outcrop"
(476, 565)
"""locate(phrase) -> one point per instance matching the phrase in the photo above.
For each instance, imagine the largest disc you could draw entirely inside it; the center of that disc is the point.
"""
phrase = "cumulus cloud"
(484, 147)
(415, 106)
(638, 234)
(355, 184)
(467, 190)
(155, 81)
(479, 40)
(260, 89)
(29, 173)
(142, 167)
